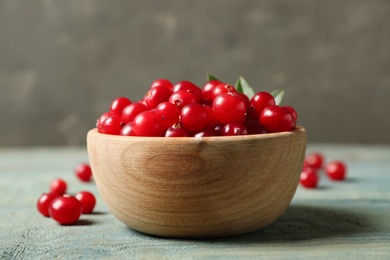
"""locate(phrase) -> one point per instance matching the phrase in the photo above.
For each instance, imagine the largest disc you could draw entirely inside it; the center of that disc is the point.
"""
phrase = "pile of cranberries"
(183, 110)
(314, 163)
(64, 208)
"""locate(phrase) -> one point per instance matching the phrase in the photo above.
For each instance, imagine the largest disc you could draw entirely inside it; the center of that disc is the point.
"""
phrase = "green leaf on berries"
(238, 86)
(278, 96)
(211, 77)
(242, 86)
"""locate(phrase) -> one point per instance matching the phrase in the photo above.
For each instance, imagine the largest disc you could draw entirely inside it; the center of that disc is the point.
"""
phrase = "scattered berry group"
(65, 208)
(183, 109)
(314, 163)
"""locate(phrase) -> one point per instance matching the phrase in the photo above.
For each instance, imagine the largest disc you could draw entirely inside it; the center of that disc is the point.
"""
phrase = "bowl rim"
(299, 130)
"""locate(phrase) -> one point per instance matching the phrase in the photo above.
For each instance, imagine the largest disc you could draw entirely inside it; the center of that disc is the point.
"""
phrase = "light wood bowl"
(197, 187)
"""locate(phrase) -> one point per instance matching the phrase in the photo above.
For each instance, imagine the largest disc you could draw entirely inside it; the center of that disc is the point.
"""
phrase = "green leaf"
(278, 96)
(238, 86)
(246, 89)
(211, 77)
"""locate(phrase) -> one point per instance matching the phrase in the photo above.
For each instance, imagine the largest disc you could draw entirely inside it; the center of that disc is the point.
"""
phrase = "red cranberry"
(182, 98)
(101, 119)
(293, 112)
(83, 172)
(277, 119)
(59, 186)
(127, 130)
(65, 210)
(188, 86)
(336, 170)
(228, 108)
(314, 160)
(119, 104)
(163, 82)
(169, 113)
(234, 128)
(309, 178)
(87, 201)
(262, 100)
(222, 88)
(156, 95)
(112, 125)
(131, 111)
(194, 117)
(207, 89)
(148, 123)
(44, 202)
(177, 131)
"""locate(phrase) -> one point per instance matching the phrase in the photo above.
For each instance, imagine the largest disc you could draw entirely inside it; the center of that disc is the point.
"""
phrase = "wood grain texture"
(339, 220)
(197, 187)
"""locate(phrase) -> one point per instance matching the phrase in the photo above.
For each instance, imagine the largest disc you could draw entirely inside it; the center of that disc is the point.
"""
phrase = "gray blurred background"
(63, 62)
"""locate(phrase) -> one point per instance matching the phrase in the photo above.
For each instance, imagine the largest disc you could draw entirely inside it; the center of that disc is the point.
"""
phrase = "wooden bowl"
(197, 187)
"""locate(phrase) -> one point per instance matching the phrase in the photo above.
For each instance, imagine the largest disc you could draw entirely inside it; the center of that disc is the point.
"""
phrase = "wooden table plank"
(349, 220)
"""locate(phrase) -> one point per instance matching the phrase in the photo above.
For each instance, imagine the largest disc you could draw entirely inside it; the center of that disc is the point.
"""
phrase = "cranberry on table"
(277, 119)
(314, 160)
(65, 210)
(44, 202)
(119, 104)
(59, 186)
(83, 172)
(336, 170)
(87, 200)
(309, 178)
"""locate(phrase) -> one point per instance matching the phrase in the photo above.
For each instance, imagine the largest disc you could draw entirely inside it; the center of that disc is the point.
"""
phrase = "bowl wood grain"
(197, 187)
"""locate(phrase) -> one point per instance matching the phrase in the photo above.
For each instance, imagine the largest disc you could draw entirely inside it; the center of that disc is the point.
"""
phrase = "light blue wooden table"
(347, 220)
